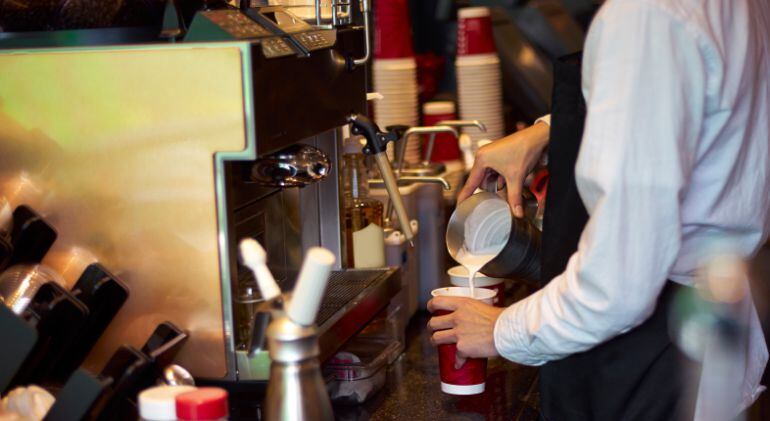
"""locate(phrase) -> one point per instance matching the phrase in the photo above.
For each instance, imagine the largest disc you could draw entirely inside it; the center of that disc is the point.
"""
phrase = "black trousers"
(637, 375)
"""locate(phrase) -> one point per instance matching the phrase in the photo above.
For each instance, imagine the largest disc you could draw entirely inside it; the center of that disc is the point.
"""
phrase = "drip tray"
(353, 297)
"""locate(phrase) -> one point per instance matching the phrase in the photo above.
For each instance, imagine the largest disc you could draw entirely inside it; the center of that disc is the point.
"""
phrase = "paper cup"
(474, 31)
(470, 379)
(458, 276)
(392, 29)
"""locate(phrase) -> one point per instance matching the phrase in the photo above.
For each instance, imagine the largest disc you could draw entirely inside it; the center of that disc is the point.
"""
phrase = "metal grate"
(343, 287)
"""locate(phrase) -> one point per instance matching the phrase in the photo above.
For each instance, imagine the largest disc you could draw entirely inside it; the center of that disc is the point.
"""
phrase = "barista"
(673, 120)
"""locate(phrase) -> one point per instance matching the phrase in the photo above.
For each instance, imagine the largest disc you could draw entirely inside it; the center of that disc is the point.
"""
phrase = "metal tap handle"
(366, 11)
(421, 130)
(451, 123)
(463, 123)
(376, 145)
(408, 180)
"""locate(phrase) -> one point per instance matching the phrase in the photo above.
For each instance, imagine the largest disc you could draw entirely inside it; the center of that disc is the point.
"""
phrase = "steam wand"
(376, 145)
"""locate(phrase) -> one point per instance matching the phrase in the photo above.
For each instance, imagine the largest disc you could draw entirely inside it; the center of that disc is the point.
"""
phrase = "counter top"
(412, 390)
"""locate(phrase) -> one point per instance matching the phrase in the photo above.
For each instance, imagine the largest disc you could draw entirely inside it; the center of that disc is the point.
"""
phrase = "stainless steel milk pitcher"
(518, 258)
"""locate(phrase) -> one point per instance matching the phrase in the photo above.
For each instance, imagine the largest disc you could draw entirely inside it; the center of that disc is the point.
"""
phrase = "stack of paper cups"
(395, 71)
(479, 80)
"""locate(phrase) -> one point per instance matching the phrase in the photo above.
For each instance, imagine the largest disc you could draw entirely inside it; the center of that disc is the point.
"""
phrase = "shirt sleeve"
(645, 81)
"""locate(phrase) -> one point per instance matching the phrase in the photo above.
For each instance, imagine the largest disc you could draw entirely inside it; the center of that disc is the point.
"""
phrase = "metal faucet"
(432, 130)
(450, 123)
(407, 180)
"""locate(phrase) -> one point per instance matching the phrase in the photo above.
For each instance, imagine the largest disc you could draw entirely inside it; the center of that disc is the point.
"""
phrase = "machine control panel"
(279, 32)
(276, 47)
(317, 40)
(236, 24)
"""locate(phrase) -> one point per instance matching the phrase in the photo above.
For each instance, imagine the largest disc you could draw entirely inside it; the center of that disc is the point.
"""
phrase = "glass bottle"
(364, 238)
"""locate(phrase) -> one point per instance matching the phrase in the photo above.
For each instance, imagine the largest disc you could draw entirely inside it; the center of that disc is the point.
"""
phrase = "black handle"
(376, 140)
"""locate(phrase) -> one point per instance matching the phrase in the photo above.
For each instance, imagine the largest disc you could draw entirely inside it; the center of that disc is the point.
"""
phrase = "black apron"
(635, 376)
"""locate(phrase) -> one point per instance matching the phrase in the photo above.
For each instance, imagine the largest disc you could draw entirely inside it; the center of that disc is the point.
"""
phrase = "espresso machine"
(158, 157)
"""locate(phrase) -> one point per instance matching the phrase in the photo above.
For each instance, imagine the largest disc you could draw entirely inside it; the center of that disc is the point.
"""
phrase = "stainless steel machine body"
(142, 155)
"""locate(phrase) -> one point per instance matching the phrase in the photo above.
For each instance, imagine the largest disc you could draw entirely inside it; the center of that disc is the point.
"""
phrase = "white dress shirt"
(674, 155)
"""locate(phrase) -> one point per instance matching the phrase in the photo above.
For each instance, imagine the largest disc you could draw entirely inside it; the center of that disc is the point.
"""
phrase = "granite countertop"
(412, 390)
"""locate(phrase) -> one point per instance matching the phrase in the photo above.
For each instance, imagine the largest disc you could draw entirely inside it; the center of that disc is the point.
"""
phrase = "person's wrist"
(540, 140)
(542, 133)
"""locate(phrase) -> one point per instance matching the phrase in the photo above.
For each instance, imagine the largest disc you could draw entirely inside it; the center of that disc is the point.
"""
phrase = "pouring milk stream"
(486, 233)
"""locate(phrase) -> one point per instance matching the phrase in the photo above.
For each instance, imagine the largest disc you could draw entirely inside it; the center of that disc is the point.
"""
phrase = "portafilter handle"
(376, 145)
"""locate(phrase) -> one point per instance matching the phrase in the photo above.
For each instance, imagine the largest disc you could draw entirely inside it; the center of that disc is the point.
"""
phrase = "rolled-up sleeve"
(645, 80)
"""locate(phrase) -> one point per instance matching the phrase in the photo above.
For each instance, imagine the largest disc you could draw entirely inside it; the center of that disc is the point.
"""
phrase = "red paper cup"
(446, 147)
(458, 276)
(470, 379)
(474, 31)
(393, 30)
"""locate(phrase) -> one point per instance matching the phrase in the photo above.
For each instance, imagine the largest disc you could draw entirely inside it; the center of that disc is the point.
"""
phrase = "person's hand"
(513, 158)
(471, 325)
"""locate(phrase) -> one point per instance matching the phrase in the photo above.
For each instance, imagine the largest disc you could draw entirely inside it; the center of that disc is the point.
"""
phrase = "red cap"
(206, 403)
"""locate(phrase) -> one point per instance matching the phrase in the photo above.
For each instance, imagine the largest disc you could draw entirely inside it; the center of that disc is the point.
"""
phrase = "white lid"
(438, 107)
(473, 12)
(481, 294)
(458, 276)
(159, 403)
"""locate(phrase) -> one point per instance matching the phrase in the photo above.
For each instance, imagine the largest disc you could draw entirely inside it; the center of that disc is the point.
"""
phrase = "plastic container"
(388, 327)
(398, 253)
(159, 403)
(445, 147)
(359, 371)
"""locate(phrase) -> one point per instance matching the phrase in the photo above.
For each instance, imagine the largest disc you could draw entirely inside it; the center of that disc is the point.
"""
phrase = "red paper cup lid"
(206, 403)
